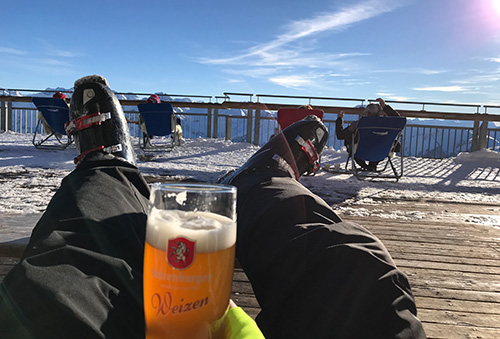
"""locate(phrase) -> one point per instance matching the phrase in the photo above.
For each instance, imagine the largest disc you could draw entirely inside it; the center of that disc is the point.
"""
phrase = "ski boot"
(97, 121)
(296, 150)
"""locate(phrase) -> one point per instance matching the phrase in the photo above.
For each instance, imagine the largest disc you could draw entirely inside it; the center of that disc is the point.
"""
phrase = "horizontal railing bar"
(427, 103)
(35, 90)
(326, 109)
(234, 93)
(304, 97)
(226, 95)
(169, 95)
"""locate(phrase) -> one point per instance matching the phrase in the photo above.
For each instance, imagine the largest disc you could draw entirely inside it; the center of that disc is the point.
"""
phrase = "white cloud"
(429, 71)
(50, 49)
(291, 81)
(390, 96)
(62, 53)
(53, 62)
(410, 71)
(297, 49)
(286, 49)
(493, 59)
(397, 98)
(12, 51)
(441, 89)
(251, 72)
(234, 81)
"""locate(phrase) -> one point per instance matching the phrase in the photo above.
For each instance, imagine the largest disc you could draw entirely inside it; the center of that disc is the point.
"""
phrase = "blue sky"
(414, 50)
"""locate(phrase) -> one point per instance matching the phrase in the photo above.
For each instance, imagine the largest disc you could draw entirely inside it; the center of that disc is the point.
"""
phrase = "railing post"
(256, 135)
(3, 116)
(8, 116)
(209, 122)
(216, 123)
(475, 136)
(483, 131)
(249, 124)
(229, 122)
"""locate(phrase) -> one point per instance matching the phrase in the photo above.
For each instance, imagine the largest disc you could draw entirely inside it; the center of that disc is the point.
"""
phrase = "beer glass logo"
(180, 254)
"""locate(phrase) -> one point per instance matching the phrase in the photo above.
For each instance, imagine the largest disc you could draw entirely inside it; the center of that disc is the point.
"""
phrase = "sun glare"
(496, 6)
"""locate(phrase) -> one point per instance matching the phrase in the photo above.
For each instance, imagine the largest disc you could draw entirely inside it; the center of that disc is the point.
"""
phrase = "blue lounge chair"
(377, 137)
(159, 120)
(54, 113)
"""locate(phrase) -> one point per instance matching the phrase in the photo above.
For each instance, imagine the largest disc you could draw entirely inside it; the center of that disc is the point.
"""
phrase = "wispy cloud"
(299, 30)
(291, 81)
(296, 48)
(390, 96)
(425, 71)
(50, 49)
(497, 59)
(12, 51)
(62, 53)
(53, 62)
(441, 89)
(38, 61)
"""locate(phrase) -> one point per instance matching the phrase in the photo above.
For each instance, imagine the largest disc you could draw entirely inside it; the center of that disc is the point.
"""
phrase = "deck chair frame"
(377, 136)
(160, 121)
(55, 112)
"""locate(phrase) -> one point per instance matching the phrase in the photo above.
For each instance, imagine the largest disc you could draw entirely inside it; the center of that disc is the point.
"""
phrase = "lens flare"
(496, 6)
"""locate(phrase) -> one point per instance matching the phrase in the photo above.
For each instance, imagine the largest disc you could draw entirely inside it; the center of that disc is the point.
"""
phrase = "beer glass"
(188, 258)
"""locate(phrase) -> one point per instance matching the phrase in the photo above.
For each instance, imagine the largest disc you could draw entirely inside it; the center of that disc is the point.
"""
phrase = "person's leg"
(372, 166)
(81, 273)
(361, 163)
(313, 275)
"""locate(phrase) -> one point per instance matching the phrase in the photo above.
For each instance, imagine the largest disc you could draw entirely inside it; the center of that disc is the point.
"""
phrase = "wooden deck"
(453, 264)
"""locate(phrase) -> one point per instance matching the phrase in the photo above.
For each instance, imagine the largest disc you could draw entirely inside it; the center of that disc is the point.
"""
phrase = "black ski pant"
(313, 275)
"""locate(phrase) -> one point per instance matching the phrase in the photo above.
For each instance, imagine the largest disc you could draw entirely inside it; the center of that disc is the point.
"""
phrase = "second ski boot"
(296, 150)
(97, 121)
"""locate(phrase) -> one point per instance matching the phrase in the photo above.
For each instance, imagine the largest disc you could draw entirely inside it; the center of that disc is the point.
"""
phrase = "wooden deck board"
(453, 264)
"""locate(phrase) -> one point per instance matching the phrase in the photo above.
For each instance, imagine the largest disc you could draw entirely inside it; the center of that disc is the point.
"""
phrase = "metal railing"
(255, 122)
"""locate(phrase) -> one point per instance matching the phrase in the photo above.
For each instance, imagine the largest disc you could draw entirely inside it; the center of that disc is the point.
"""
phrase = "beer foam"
(212, 232)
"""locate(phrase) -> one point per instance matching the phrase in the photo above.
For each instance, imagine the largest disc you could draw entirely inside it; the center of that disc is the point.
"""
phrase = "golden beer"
(188, 271)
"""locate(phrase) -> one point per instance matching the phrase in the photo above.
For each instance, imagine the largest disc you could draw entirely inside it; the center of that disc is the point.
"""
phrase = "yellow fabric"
(235, 324)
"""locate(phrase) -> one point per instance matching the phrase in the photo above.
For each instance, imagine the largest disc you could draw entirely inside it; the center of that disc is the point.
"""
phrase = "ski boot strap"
(86, 121)
(311, 153)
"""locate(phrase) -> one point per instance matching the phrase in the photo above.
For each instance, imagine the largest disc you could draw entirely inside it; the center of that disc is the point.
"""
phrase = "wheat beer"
(188, 271)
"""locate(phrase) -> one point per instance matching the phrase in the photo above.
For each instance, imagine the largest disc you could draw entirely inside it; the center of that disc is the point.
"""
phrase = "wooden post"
(216, 123)
(256, 135)
(3, 116)
(209, 122)
(229, 123)
(475, 136)
(249, 124)
(483, 131)
(8, 116)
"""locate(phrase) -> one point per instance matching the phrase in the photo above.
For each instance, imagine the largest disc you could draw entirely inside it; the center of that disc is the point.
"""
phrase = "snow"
(29, 177)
